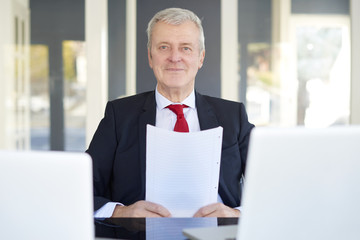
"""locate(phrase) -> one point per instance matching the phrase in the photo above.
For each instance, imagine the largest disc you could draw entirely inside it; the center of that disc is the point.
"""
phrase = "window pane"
(74, 94)
(39, 103)
(324, 76)
(262, 88)
(305, 78)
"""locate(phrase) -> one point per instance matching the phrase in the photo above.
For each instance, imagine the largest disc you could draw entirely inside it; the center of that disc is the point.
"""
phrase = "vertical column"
(22, 74)
(26, 72)
(56, 88)
(282, 61)
(96, 36)
(355, 59)
(130, 47)
(117, 48)
(229, 50)
(14, 75)
(6, 74)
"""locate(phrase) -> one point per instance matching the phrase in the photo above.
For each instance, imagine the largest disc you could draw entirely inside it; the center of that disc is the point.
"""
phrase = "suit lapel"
(147, 117)
(206, 114)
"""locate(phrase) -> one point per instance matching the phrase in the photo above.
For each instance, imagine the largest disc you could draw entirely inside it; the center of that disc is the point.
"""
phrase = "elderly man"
(176, 52)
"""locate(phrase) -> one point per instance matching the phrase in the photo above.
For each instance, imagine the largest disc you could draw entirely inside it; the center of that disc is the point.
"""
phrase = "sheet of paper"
(182, 169)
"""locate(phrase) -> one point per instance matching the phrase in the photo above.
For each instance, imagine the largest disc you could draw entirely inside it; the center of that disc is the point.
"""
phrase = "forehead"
(185, 32)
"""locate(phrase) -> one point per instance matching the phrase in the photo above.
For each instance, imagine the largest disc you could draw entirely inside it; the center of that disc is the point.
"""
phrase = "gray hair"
(176, 16)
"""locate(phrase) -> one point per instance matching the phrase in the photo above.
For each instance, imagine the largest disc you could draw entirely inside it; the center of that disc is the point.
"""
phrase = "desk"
(153, 228)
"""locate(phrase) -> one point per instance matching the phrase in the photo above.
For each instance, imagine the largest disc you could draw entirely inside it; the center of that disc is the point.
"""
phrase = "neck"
(175, 95)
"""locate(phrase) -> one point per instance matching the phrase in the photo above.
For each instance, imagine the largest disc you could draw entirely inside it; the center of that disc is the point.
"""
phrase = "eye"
(163, 47)
(186, 49)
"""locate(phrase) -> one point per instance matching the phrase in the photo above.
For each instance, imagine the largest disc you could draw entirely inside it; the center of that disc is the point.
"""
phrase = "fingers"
(205, 211)
(157, 209)
(150, 209)
(217, 210)
(141, 209)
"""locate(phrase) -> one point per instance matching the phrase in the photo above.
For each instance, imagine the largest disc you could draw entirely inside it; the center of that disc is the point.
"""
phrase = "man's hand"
(141, 209)
(217, 210)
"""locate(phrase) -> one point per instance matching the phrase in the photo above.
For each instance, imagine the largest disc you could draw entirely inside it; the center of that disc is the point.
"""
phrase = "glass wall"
(299, 72)
(293, 65)
(39, 100)
(322, 70)
(74, 71)
(14, 75)
(74, 60)
(58, 75)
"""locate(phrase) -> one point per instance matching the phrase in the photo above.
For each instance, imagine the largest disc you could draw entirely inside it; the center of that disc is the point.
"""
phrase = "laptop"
(46, 195)
(300, 184)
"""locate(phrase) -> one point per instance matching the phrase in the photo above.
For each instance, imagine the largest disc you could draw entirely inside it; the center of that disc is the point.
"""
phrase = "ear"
(202, 57)
(150, 58)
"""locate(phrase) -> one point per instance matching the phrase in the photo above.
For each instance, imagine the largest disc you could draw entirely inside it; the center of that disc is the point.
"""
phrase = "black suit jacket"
(118, 148)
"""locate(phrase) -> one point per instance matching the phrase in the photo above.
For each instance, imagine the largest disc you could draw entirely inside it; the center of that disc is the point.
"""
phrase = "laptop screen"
(46, 195)
(302, 184)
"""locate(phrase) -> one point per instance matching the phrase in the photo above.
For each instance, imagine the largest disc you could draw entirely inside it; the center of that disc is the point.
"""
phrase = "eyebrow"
(181, 44)
(190, 44)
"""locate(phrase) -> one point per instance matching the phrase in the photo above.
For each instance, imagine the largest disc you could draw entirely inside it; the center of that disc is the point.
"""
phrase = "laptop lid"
(46, 195)
(211, 233)
(302, 184)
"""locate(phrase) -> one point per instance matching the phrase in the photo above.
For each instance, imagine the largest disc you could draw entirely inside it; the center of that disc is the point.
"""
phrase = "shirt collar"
(162, 102)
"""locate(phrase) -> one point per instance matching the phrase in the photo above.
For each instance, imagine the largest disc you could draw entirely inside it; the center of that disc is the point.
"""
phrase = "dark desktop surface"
(153, 228)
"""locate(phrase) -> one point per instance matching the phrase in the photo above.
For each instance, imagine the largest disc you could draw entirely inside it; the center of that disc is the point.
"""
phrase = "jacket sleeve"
(102, 150)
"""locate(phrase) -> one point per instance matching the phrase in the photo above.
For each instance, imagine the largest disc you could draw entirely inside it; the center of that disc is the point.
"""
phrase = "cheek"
(157, 67)
(157, 62)
(157, 70)
(195, 65)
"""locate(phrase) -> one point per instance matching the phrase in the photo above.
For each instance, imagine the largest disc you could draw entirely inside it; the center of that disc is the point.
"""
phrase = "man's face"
(175, 56)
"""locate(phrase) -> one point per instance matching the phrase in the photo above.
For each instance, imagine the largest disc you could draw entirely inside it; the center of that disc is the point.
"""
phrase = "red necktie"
(181, 124)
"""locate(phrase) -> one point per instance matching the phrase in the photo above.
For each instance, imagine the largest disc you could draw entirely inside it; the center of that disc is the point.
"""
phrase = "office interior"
(292, 62)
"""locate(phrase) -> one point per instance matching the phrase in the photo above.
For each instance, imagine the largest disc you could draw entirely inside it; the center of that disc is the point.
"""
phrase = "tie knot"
(177, 109)
(181, 124)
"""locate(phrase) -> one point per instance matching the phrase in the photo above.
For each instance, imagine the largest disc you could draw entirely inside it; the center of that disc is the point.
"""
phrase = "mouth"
(172, 69)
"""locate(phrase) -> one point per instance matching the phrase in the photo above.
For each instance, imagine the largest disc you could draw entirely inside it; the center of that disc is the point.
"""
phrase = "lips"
(173, 69)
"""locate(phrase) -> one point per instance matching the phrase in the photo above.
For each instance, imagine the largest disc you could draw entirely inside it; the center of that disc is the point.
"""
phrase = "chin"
(175, 83)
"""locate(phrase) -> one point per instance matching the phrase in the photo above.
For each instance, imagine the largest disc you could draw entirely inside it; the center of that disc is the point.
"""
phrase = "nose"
(175, 55)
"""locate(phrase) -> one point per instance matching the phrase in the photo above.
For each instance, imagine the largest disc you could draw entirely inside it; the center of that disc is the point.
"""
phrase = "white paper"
(182, 169)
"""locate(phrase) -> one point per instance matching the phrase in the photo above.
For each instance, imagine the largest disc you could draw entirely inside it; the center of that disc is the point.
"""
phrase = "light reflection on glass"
(74, 62)
(39, 101)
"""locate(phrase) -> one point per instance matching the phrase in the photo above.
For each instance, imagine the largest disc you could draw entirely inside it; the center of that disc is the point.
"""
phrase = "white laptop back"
(46, 195)
(302, 184)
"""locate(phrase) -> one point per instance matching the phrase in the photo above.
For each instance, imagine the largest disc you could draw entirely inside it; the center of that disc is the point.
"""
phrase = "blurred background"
(291, 62)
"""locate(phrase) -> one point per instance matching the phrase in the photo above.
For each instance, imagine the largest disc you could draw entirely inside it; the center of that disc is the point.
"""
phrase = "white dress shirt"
(165, 118)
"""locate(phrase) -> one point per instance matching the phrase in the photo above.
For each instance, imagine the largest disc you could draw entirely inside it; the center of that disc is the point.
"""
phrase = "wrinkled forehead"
(186, 32)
